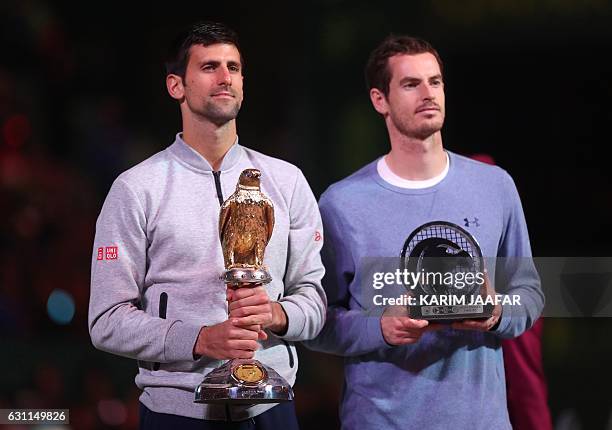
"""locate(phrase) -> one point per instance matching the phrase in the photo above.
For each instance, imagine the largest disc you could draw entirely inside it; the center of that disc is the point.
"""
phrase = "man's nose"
(427, 92)
(224, 76)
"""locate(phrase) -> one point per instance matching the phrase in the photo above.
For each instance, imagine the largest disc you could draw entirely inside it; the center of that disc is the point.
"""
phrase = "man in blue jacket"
(402, 372)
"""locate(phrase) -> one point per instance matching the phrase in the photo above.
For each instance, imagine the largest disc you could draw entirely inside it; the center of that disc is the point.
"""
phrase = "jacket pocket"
(163, 307)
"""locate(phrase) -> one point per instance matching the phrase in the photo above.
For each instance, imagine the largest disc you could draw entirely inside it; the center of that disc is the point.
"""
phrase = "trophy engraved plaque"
(246, 222)
(449, 267)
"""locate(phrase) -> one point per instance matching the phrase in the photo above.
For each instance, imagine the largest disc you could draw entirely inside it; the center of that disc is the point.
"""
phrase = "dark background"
(82, 98)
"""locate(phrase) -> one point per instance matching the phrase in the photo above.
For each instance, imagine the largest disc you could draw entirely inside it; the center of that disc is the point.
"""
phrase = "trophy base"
(450, 313)
(240, 381)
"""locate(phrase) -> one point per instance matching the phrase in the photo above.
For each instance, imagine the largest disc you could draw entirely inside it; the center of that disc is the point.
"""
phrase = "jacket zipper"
(217, 176)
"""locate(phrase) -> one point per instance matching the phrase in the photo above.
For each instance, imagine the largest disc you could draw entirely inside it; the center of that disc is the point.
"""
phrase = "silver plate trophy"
(450, 269)
(246, 222)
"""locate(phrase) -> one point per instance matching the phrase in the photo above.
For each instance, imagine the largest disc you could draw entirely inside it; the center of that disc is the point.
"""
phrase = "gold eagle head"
(249, 178)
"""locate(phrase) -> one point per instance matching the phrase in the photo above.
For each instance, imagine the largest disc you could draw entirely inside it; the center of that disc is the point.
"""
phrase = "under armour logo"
(471, 223)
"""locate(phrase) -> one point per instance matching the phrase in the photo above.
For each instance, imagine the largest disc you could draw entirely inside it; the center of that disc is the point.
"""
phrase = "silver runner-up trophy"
(450, 268)
(245, 227)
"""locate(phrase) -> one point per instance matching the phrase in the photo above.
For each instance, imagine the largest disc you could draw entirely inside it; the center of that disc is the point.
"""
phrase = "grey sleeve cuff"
(180, 340)
(296, 320)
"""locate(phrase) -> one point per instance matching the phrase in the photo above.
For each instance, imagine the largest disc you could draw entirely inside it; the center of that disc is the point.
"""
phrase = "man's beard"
(426, 130)
(422, 131)
(220, 115)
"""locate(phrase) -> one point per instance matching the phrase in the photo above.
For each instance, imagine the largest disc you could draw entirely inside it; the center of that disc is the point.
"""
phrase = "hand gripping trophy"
(245, 227)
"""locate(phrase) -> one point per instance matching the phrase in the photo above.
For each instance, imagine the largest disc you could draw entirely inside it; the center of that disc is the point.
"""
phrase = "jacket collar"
(191, 157)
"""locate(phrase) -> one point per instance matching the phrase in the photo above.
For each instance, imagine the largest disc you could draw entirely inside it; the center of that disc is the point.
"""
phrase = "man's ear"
(174, 84)
(379, 101)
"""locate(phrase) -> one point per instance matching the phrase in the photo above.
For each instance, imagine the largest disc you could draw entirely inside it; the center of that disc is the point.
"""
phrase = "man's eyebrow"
(411, 79)
(209, 62)
(217, 63)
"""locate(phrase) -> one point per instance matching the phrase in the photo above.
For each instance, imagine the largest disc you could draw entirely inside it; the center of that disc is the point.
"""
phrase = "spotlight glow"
(60, 307)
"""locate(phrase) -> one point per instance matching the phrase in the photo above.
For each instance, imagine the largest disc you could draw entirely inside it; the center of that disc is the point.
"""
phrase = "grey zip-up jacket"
(158, 233)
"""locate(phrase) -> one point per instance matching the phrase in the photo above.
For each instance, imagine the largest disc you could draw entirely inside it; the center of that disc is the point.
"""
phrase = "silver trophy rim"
(404, 258)
(445, 224)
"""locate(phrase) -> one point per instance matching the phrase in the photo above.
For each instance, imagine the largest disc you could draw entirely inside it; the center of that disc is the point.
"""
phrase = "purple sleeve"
(515, 271)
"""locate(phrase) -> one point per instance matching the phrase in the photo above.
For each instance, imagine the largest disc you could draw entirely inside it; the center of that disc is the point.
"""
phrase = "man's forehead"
(216, 51)
(417, 65)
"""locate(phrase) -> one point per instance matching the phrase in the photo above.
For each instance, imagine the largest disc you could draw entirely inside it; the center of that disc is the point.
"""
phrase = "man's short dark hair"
(202, 33)
(377, 71)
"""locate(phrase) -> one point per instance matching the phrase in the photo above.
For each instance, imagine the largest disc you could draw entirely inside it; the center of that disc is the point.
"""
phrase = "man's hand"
(399, 329)
(482, 325)
(227, 340)
(252, 307)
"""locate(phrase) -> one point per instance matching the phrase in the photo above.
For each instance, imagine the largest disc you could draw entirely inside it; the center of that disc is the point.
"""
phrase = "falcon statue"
(245, 223)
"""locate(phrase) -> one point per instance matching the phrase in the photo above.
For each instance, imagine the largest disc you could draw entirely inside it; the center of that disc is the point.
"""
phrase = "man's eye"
(234, 68)
(208, 67)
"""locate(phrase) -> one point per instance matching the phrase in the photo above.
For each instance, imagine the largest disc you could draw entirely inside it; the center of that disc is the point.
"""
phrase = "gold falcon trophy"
(245, 227)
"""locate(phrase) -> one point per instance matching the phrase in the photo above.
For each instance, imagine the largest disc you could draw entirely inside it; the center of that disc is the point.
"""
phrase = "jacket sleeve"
(351, 329)
(515, 272)
(304, 301)
(119, 262)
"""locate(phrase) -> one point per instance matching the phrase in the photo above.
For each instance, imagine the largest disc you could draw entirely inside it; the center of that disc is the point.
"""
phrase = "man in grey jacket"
(155, 291)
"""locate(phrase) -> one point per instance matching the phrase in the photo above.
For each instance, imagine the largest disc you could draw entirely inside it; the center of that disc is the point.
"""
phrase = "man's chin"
(221, 116)
(427, 130)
